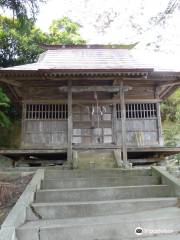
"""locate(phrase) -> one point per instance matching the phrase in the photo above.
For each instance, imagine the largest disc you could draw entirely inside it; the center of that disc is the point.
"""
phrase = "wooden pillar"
(114, 122)
(123, 123)
(23, 124)
(70, 124)
(159, 125)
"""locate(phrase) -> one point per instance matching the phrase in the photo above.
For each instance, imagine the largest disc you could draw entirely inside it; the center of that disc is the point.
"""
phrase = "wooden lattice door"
(92, 125)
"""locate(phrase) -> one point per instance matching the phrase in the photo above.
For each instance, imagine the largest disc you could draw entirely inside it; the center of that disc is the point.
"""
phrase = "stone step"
(100, 208)
(59, 174)
(104, 227)
(174, 236)
(102, 193)
(100, 182)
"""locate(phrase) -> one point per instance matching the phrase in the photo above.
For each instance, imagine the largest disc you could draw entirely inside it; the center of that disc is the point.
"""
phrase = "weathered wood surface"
(171, 150)
(84, 127)
(90, 101)
(139, 132)
(44, 134)
(46, 90)
(70, 123)
(148, 154)
(159, 124)
(88, 129)
(123, 124)
(92, 125)
(154, 149)
(79, 89)
(41, 93)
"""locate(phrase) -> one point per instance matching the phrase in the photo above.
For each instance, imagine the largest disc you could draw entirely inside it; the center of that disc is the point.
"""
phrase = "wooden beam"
(79, 89)
(10, 82)
(89, 102)
(177, 83)
(70, 127)
(114, 122)
(165, 91)
(23, 127)
(123, 123)
(159, 125)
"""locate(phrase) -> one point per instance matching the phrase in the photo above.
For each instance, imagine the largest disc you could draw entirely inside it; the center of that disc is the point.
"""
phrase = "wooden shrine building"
(77, 98)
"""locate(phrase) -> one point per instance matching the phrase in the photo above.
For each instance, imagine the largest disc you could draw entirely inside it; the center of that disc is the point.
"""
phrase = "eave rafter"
(168, 88)
(11, 82)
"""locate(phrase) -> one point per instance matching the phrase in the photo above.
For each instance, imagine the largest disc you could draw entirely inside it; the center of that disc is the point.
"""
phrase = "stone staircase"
(101, 205)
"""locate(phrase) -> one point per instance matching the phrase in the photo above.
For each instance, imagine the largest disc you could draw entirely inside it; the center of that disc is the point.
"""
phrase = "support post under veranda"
(70, 127)
(123, 124)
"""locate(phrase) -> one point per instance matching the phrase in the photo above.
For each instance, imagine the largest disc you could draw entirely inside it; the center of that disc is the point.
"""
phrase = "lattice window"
(46, 111)
(138, 110)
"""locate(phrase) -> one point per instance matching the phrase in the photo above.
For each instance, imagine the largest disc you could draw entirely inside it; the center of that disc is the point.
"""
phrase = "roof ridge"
(88, 46)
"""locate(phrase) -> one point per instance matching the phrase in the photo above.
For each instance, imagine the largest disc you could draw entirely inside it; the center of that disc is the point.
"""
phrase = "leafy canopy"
(170, 109)
(4, 105)
(170, 112)
(18, 46)
(21, 46)
(22, 9)
(65, 31)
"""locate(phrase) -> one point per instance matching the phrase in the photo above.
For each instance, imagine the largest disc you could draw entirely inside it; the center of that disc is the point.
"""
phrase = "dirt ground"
(11, 187)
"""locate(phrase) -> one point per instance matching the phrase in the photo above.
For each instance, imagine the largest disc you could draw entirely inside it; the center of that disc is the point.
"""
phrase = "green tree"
(22, 9)
(170, 112)
(65, 31)
(4, 105)
(21, 46)
(172, 135)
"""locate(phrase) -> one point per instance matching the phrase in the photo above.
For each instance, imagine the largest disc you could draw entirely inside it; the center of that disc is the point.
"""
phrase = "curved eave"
(166, 74)
(81, 72)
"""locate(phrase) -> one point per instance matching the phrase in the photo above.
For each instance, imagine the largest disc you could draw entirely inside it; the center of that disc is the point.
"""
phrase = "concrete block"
(100, 182)
(59, 174)
(168, 179)
(105, 193)
(100, 208)
(109, 227)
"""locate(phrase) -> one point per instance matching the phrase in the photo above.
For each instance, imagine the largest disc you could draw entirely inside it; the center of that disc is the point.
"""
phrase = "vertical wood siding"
(47, 127)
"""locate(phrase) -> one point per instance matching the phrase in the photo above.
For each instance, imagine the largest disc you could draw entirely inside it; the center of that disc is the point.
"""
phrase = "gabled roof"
(86, 57)
(98, 61)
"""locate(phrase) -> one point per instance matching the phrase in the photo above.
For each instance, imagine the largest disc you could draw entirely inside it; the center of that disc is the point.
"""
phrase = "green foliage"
(11, 136)
(170, 111)
(65, 31)
(171, 135)
(4, 105)
(22, 9)
(19, 45)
